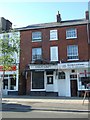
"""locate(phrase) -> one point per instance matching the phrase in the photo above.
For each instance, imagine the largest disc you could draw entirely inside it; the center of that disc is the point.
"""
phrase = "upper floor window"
(72, 52)
(36, 53)
(54, 53)
(53, 35)
(36, 36)
(71, 33)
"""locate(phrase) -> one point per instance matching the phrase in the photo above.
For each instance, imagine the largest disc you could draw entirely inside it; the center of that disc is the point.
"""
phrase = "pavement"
(68, 104)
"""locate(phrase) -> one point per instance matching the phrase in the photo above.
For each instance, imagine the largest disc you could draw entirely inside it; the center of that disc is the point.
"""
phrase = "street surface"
(13, 110)
(44, 114)
(44, 107)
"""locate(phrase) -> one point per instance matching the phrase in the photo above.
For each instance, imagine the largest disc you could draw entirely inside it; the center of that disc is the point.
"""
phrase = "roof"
(55, 24)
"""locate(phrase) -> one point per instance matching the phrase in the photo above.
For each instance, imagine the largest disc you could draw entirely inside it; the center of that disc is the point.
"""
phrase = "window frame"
(62, 75)
(55, 34)
(38, 38)
(73, 52)
(71, 33)
(36, 54)
(56, 58)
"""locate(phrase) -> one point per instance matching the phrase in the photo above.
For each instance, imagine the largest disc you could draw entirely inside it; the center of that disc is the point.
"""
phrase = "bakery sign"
(73, 65)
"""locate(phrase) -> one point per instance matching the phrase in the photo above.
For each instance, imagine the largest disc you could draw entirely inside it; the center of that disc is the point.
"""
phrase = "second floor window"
(36, 36)
(53, 35)
(36, 53)
(71, 33)
(72, 52)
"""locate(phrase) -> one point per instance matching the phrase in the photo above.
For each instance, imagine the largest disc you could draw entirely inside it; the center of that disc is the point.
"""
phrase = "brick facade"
(26, 45)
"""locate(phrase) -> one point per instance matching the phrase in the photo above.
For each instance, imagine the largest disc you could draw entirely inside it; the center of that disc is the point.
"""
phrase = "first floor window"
(72, 52)
(36, 53)
(54, 53)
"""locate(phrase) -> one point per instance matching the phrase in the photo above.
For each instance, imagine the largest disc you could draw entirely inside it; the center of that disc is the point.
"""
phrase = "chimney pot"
(87, 15)
(58, 17)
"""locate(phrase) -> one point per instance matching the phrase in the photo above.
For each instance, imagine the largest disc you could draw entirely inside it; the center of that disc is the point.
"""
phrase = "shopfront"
(77, 76)
(43, 79)
(64, 79)
(10, 81)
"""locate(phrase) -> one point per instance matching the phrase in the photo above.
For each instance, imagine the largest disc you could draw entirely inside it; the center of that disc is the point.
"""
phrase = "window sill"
(53, 39)
(37, 89)
(71, 38)
(72, 59)
(36, 40)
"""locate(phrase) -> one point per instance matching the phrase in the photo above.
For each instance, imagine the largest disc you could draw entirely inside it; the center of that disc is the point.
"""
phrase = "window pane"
(72, 52)
(36, 53)
(37, 80)
(54, 53)
(53, 35)
(36, 36)
(71, 33)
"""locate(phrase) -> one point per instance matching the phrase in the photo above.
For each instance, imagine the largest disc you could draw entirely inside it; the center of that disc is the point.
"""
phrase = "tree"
(9, 50)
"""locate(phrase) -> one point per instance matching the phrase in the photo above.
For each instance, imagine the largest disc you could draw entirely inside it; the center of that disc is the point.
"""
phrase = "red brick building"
(54, 57)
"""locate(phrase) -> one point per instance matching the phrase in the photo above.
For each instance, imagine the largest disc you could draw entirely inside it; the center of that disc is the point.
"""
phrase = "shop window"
(83, 82)
(49, 79)
(37, 80)
(61, 75)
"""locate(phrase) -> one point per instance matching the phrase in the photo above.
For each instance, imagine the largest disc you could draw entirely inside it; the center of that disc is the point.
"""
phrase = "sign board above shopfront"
(42, 67)
(74, 65)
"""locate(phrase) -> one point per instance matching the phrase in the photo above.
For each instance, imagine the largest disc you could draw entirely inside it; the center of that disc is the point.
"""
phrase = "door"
(73, 88)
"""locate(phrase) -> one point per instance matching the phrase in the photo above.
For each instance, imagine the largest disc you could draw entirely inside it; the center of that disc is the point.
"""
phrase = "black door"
(73, 88)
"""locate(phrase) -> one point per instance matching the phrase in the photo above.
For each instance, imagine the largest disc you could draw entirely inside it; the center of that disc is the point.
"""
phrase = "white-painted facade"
(64, 87)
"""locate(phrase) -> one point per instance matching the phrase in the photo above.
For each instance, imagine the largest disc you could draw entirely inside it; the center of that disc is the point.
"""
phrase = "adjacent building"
(10, 82)
(5, 25)
(54, 58)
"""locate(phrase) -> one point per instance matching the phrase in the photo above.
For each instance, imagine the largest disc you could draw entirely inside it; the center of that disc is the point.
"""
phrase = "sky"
(24, 13)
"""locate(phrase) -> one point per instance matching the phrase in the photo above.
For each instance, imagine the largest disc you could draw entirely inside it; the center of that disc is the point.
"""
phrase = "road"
(23, 111)
(44, 114)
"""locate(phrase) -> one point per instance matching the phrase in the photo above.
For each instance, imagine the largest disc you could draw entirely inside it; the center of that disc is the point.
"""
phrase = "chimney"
(87, 15)
(58, 17)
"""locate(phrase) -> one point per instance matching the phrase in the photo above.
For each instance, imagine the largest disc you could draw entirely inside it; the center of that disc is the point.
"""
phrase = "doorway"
(73, 88)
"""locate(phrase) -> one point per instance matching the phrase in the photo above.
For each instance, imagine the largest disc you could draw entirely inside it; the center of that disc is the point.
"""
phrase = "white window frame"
(53, 35)
(72, 51)
(36, 36)
(38, 55)
(71, 33)
(55, 49)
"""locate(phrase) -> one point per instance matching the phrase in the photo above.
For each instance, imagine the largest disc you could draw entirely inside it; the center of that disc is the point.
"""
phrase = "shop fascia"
(43, 67)
(75, 65)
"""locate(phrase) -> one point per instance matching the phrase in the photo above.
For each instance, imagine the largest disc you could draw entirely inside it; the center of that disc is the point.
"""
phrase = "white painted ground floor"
(64, 79)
